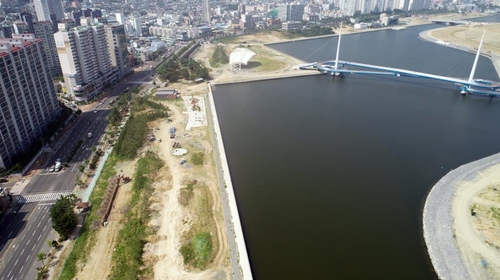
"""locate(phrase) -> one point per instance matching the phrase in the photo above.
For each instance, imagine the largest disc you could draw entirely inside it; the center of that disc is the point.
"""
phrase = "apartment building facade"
(28, 101)
(85, 61)
(43, 30)
(117, 44)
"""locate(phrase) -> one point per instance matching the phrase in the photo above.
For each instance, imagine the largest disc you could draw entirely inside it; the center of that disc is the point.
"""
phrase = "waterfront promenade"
(240, 262)
(438, 220)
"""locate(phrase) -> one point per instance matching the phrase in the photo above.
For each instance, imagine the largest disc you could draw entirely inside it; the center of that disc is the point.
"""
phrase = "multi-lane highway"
(26, 228)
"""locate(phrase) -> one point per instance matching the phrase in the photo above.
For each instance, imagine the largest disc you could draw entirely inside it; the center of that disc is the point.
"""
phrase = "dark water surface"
(331, 176)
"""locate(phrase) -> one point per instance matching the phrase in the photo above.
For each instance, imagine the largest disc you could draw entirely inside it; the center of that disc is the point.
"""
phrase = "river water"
(331, 175)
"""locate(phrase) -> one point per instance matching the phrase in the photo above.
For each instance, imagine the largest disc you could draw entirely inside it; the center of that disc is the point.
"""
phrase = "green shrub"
(198, 252)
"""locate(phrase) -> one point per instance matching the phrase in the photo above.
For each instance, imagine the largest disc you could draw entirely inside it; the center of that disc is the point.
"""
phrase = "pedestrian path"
(39, 197)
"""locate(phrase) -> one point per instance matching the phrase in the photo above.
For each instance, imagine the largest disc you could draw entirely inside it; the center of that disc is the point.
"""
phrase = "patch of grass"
(266, 60)
(219, 57)
(198, 246)
(227, 40)
(127, 257)
(198, 252)
(85, 240)
(186, 194)
(197, 158)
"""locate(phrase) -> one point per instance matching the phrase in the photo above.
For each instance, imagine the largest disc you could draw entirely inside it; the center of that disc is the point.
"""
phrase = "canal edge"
(226, 189)
(438, 220)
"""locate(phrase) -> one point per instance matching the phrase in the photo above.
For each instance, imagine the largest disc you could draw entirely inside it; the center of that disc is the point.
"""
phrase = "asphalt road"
(24, 235)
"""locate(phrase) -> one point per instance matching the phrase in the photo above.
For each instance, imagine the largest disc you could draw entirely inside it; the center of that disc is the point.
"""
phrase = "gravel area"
(438, 220)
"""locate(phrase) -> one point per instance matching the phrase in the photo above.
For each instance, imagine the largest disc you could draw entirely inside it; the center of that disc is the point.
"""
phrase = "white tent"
(240, 56)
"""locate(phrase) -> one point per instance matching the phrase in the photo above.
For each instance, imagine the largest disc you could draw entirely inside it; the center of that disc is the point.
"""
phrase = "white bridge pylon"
(339, 67)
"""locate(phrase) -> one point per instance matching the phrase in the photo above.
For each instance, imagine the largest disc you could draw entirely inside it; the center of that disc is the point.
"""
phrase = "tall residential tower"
(85, 61)
(44, 8)
(206, 15)
(28, 101)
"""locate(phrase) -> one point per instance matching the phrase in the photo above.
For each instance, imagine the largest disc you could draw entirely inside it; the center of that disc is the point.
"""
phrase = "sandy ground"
(170, 219)
(173, 219)
(478, 237)
(470, 36)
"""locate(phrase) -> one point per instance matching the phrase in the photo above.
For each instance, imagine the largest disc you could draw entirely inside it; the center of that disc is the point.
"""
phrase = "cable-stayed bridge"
(470, 85)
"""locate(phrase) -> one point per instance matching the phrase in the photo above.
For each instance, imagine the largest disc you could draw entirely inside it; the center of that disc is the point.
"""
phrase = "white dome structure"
(240, 56)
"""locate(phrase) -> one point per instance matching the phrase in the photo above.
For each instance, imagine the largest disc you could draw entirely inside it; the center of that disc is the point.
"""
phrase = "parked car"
(52, 168)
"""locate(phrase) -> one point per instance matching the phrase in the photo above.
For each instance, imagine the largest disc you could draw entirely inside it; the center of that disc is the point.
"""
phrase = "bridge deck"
(478, 86)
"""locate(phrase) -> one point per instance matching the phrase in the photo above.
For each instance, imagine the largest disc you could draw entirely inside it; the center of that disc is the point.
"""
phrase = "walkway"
(438, 220)
(237, 247)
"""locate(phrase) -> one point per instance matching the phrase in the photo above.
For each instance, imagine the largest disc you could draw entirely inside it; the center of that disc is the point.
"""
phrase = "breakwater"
(438, 219)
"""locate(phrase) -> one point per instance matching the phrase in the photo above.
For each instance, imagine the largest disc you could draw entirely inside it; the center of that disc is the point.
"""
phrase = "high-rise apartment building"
(66, 24)
(28, 101)
(206, 14)
(120, 17)
(20, 27)
(44, 8)
(43, 30)
(136, 24)
(117, 44)
(290, 12)
(85, 61)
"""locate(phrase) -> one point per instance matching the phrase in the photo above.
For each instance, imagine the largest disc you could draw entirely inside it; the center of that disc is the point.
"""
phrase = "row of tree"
(185, 68)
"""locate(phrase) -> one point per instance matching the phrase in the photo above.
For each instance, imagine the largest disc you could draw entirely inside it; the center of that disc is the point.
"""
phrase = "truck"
(58, 166)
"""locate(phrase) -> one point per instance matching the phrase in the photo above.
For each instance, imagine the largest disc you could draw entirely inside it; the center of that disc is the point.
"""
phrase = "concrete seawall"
(238, 251)
(438, 220)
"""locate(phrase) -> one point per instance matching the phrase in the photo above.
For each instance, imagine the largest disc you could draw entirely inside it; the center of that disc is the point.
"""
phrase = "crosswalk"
(39, 197)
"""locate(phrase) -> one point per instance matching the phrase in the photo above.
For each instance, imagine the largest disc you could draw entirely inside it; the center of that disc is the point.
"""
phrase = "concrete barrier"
(223, 168)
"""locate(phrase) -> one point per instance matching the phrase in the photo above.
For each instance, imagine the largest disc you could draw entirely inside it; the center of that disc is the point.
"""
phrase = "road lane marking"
(33, 233)
(8, 226)
(28, 257)
(21, 268)
(23, 237)
(38, 238)
(16, 262)
(9, 234)
(29, 228)
(28, 242)
(39, 223)
(9, 273)
(33, 248)
(44, 228)
(22, 251)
